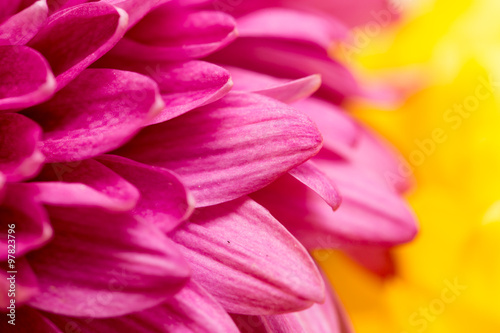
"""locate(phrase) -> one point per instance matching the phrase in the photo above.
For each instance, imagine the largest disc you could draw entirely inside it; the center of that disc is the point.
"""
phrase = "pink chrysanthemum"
(152, 192)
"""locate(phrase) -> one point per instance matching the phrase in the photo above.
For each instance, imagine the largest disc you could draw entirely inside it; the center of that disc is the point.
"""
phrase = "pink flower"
(148, 194)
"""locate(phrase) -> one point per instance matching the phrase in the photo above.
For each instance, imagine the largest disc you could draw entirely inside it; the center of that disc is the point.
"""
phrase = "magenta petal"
(97, 112)
(229, 148)
(75, 37)
(292, 25)
(21, 27)
(327, 317)
(370, 214)
(376, 154)
(86, 183)
(25, 78)
(295, 90)
(237, 247)
(136, 9)
(286, 323)
(2, 186)
(285, 91)
(9, 8)
(26, 283)
(189, 85)
(316, 180)
(32, 321)
(166, 34)
(340, 132)
(357, 12)
(190, 310)
(21, 157)
(103, 265)
(283, 58)
(378, 260)
(22, 209)
(164, 200)
(183, 86)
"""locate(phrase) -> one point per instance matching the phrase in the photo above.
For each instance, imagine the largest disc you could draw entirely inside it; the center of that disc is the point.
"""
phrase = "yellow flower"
(448, 279)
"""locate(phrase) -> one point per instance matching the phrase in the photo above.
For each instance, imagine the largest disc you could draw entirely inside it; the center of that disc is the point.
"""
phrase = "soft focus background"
(445, 57)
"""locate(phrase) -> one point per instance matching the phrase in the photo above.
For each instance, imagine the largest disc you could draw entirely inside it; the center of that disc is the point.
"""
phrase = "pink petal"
(290, 24)
(103, 265)
(340, 132)
(86, 183)
(190, 310)
(229, 148)
(97, 112)
(136, 9)
(311, 176)
(370, 214)
(353, 12)
(378, 260)
(167, 34)
(287, 59)
(75, 37)
(21, 158)
(164, 200)
(21, 27)
(2, 186)
(32, 321)
(32, 230)
(327, 317)
(285, 91)
(56, 5)
(286, 323)
(189, 85)
(9, 8)
(377, 154)
(183, 86)
(25, 78)
(26, 285)
(237, 247)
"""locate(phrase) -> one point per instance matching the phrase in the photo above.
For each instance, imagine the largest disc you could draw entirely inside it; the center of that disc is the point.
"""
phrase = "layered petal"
(20, 139)
(33, 321)
(168, 34)
(340, 133)
(2, 186)
(56, 5)
(21, 27)
(190, 310)
(311, 176)
(326, 317)
(183, 85)
(236, 146)
(97, 112)
(84, 183)
(283, 23)
(374, 153)
(370, 213)
(25, 78)
(380, 261)
(21, 209)
(238, 246)
(102, 265)
(292, 60)
(286, 91)
(164, 201)
(25, 283)
(136, 9)
(75, 37)
(353, 12)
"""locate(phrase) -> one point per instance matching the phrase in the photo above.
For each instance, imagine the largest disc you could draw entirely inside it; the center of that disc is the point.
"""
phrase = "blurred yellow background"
(446, 56)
